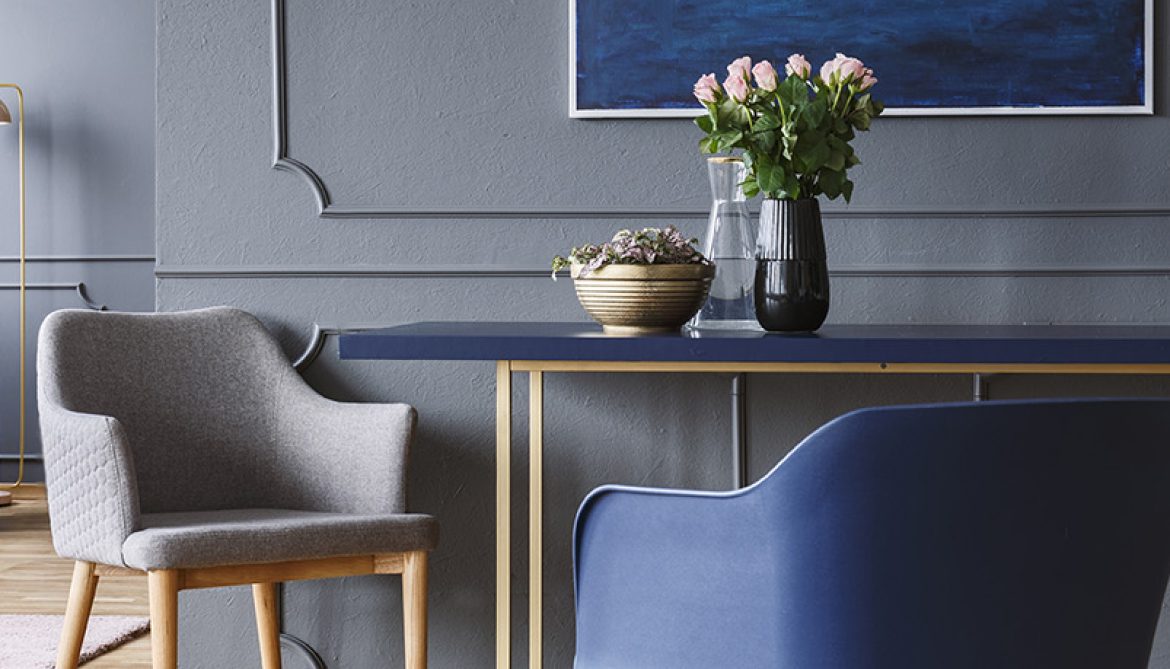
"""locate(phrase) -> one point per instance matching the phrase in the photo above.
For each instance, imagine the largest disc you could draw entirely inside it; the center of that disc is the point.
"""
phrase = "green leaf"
(811, 145)
(852, 161)
(790, 146)
(766, 141)
(847, 189)
(793, 91)
(831, 183)
(791, 187)
(811, 151)
(818, 156)
(731, 116)
(750, 187)
(860, 120)
(769, 175)
(814, 113)
(768, 121)
(728, 140)
(708, 145)
(724, 141)
(790, 137)
(706, 124)
(876, 108)
(836, 161)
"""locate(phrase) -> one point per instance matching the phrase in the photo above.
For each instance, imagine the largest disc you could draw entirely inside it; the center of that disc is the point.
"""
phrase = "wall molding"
(28, 457)
(280, 157)
(345, 271)
(404, 271)
(80, 258)
(79, 287)
(327, 208)
(858, 212)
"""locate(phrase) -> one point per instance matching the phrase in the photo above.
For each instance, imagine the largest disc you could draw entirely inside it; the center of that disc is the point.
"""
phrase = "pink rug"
(30, 642)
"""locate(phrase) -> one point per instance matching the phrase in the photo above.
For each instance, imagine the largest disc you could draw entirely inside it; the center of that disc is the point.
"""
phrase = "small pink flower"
(843, 69)
(765, 75)
(707, 89)
(851, 68)
(740, 67)
(737, 87)
(798, 65)
(828, 70)
(867, 80)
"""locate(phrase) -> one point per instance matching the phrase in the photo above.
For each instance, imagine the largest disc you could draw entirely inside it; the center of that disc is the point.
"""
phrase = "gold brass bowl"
(642, 299)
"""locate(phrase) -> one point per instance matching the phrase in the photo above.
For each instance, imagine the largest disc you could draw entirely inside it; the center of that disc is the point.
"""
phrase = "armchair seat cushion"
(187, 540)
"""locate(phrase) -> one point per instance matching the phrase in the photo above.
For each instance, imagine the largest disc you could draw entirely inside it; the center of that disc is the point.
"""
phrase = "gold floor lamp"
(6, 119)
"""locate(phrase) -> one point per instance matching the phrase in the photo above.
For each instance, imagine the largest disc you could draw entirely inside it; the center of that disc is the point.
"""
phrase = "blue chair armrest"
(665, 565)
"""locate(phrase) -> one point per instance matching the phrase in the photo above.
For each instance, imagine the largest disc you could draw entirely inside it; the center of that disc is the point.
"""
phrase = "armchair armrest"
(92, 487)
(669, 578)
(349, 457)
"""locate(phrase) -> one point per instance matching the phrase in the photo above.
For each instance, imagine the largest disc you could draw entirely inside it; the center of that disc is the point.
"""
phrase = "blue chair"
(992, 535)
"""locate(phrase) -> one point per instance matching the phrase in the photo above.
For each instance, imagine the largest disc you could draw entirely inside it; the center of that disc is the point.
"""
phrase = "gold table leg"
(503, 515)
(535, 505)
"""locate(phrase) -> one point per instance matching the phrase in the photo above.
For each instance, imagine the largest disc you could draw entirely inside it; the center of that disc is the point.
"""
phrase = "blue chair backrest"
(999, 534)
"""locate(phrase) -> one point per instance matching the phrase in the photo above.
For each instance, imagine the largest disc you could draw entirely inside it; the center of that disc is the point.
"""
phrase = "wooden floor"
(34, 580)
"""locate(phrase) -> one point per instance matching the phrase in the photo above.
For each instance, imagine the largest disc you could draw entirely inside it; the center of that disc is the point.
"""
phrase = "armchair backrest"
(996, 534)
(1014, 534)
(194, 392)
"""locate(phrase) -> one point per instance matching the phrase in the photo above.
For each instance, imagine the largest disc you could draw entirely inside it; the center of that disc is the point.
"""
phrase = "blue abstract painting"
(930, 56)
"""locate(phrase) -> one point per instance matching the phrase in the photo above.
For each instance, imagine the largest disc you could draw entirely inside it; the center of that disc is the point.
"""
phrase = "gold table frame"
(536, 370)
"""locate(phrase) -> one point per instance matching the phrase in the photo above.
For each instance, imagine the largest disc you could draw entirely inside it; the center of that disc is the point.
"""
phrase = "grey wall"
(87, 70)
(440, 131)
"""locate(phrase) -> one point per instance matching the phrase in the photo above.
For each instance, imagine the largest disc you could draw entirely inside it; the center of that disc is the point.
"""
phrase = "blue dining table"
(537, 348)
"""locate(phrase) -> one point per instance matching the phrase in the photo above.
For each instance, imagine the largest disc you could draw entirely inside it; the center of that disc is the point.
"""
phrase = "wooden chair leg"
(164, 618)
(267, 623)
(414, 608)
(81, 593)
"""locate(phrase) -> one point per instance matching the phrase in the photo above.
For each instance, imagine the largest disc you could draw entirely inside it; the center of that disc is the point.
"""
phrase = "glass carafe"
(730, 244)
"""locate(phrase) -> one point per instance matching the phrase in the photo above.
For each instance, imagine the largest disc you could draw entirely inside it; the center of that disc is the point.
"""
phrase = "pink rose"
(737, 87)
(842, 68)
(867, 80)
(798, 65)
(707, 89)
(765, 75)
(851, 69)
(828, 70)
(740, 67)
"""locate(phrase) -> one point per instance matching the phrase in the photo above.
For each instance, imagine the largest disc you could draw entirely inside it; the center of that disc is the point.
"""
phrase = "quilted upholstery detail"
(197, 411)
(93, 500)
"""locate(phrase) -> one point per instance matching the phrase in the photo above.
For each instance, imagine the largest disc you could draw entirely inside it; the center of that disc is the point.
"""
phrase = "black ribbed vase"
(792, 274)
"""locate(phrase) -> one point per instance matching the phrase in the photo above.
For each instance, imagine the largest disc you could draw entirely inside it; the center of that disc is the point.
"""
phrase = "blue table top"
(989, 344)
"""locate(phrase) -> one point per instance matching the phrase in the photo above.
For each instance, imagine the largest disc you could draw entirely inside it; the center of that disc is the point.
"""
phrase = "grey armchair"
(184, 446)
